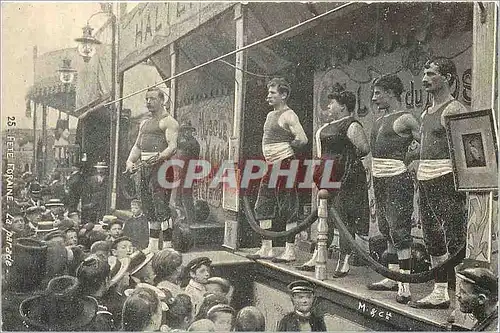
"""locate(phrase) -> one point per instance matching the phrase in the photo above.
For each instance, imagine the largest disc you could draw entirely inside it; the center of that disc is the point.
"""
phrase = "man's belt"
(147, 155)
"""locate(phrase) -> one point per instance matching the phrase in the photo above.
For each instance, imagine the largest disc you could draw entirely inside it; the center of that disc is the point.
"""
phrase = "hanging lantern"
(87, 43)
(66, 72)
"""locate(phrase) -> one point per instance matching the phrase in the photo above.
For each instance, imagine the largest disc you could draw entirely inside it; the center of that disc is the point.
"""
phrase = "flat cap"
(301, 286)
(197, 262)
(480, 277)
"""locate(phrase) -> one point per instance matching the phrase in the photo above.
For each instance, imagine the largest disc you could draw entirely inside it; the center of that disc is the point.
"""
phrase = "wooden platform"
(347, 298)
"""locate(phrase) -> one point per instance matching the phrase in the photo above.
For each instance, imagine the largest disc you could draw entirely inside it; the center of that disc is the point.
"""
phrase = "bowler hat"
(301, 286)
(60, 307)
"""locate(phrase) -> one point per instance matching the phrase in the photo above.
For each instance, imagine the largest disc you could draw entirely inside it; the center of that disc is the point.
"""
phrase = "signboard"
(153, 25)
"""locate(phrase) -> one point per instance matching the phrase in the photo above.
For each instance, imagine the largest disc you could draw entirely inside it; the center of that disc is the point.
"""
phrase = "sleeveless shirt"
(385, 142)
(152, 136)
(434, 143)
(276, 140)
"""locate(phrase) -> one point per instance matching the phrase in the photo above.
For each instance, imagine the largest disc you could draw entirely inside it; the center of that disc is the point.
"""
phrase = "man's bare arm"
(135, 152)
(293, 123)
(407, 125)
(454, 107)
(357, 135)
(171, 127)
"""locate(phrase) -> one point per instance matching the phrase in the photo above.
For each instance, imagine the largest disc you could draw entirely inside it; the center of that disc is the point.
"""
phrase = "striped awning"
(50, 91)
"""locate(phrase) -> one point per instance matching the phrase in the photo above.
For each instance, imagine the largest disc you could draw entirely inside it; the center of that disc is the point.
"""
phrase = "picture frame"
(231, 234)
(473, 145)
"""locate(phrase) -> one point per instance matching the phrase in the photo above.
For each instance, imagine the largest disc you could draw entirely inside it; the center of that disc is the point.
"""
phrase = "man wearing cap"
(283, 134)
(302, 319)
(94, 194)
(478, 294)
(155, 143)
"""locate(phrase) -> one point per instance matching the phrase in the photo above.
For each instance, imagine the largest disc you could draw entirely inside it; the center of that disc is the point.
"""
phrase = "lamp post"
(87, 48)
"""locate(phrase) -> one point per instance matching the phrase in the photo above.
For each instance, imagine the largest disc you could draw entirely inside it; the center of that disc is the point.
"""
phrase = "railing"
(66, 156)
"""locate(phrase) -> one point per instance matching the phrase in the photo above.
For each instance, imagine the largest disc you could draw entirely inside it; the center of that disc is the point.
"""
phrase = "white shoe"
(288, 255)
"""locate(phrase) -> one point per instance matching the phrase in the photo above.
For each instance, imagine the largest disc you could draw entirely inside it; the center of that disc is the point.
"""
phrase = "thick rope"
(376, 266)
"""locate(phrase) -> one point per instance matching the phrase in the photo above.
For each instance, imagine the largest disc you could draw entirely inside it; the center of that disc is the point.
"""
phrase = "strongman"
(155, 143)
(342, 141)
(391, 136)
(282, 134)
(442, 209)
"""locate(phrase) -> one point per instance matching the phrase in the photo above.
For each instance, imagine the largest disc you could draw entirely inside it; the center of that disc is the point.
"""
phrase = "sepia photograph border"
(482, 178)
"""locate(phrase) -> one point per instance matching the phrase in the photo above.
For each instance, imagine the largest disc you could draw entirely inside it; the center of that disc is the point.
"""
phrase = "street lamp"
(87, 48)
(66, 76)
(87, 43)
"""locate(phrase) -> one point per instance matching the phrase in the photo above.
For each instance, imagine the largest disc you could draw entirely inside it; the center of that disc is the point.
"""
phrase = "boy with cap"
(198, 272)
(137, 227)
(302, 318)
(478, 294)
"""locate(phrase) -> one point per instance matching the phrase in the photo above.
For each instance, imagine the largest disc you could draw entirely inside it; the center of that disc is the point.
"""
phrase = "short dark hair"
(179, 308)
(390, 82)
(138, 309)
(160, 92)
(92, 273)
(281, 84)
(445, 66)
(346, 98)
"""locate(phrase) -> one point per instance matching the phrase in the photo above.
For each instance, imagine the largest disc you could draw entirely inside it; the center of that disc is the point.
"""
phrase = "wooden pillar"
(240, 82)
(34, 171)
(173, 82)
(481, 206)
(44, 141)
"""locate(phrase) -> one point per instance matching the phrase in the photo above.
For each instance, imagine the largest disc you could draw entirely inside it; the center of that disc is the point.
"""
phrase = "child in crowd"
(197, 273)
(136, 227)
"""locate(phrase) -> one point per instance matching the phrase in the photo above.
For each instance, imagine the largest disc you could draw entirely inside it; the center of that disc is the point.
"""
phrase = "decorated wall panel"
(212, 119)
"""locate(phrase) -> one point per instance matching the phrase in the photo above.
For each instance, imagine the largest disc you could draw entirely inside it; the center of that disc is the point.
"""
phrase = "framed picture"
(231, 234)
(474, 150)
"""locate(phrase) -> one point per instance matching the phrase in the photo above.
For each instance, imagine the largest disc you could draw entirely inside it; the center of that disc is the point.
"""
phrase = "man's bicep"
(171, 134)
(454, 108)
(294, 125)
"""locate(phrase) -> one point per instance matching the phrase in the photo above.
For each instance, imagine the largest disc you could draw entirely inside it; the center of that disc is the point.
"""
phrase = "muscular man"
(156, 142)
(442, 209)
(391, 136)
(282, 133)
(342, 140)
